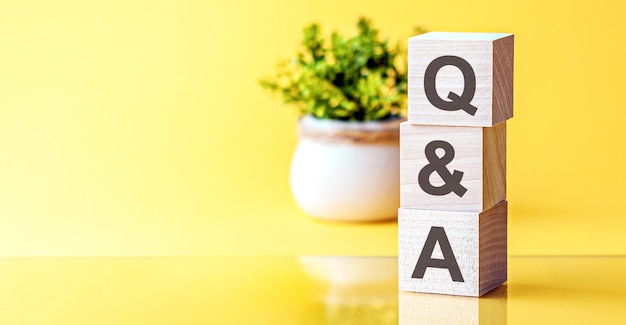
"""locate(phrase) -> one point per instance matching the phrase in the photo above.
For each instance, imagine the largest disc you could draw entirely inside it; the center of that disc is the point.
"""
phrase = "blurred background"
(139, 127)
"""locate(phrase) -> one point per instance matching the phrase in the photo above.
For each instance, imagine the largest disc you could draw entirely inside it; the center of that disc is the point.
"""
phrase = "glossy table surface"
(298, 290)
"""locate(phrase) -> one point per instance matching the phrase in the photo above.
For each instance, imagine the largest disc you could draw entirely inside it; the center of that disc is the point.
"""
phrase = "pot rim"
(350, 132)
(308, 121)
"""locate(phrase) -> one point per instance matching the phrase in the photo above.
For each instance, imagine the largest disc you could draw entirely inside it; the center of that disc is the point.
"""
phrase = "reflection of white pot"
(357, 290)
(347, 171)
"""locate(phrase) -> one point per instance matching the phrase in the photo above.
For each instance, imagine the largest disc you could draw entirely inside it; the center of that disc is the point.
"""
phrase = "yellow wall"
(138, 127)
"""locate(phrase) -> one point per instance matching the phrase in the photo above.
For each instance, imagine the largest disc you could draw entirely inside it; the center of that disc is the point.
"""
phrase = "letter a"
(437, 235)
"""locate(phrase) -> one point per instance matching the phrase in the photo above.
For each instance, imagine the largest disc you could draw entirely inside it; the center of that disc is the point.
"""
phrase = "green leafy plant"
(355, 79)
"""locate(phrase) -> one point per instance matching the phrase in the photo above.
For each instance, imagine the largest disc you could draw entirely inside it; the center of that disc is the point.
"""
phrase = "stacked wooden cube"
(452, 221)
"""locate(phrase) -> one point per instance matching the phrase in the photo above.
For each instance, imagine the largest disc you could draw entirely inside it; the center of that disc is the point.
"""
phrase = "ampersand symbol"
(452, 182)
(456, 102)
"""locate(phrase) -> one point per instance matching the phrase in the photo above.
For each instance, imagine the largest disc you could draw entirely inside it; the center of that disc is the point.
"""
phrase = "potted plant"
(350, 93)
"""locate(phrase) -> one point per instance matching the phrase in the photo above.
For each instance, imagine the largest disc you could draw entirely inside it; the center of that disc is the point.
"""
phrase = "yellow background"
(139, 128)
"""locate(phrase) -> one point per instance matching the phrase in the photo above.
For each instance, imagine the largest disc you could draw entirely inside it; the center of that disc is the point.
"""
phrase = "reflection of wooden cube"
(441, 73)
(479, 153)
(423, 308)
(466, 255)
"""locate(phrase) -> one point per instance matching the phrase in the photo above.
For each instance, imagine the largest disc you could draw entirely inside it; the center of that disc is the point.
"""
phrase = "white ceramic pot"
(347, 171)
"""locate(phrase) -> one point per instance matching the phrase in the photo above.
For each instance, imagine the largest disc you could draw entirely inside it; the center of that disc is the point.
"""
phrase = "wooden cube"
(452, 168)
(460, 78)
(457, 253)
(424, 308)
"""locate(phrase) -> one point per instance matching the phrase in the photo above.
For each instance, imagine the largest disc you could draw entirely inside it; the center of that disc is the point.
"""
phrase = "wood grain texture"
(502, 79)
(480, 153)
(424, 308)
(492, 247)
(478, 241)
(491, 58)
(494, 165)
